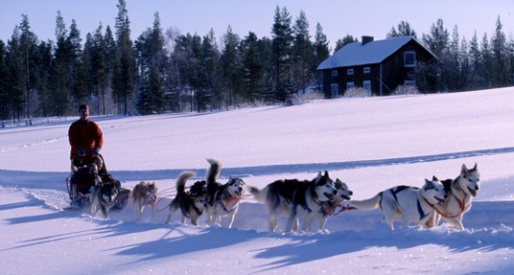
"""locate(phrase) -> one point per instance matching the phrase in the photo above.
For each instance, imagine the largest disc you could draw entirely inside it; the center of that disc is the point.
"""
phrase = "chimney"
(366, 39)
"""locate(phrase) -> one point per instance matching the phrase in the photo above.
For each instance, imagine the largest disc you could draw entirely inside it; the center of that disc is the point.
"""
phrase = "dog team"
(313, 200)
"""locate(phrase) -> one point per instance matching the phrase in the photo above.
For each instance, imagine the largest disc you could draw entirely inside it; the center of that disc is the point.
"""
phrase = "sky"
(371, 144)
(338, 18)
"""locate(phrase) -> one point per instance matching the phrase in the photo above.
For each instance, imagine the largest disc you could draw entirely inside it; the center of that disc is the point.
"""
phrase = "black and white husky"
(103, 197)
(144, 194)
(192, 203)
(223, 198)
(406, 203)
(297, 200)
(461, 192)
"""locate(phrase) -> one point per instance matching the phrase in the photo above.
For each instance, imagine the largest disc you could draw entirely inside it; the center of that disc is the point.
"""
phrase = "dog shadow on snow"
(191, 240)
(351, 232)
(315, 247)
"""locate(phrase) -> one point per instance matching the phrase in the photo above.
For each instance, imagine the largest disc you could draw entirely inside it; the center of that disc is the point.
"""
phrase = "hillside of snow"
(370, 143)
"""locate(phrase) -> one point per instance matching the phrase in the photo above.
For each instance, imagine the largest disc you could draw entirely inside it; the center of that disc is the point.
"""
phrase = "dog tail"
(181, 181)
(259, 195)
(369, 204)
(213, 171)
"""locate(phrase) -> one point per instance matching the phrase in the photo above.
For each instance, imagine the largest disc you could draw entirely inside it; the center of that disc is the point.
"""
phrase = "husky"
(335, 206)
(192, 203)
(103, 196)
(461, 192)
(223, 198)
(406, 203)
(93, 169)
(296, 199)
(144, 194)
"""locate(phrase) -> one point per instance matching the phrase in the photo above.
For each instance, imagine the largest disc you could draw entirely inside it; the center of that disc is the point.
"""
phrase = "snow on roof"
(355, 54)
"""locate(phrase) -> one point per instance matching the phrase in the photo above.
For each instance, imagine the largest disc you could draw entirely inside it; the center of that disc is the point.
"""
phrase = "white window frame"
(350, 85)
(405, 59)
(366, 85)
(334, 90)
(366, 70)
(335, 73)
(409, 83)
(349, 72)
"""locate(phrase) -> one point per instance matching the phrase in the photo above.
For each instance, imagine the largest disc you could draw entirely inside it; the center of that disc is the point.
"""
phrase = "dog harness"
(462, 206)
(228, 201)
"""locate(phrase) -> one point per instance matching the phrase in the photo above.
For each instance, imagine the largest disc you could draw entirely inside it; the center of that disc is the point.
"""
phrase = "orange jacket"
(84, 134)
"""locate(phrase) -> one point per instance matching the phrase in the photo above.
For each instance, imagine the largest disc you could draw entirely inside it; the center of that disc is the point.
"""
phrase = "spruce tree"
(321, 52)
(282, 37)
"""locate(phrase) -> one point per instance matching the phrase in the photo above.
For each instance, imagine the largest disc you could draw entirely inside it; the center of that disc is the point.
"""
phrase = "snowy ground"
(371, 144)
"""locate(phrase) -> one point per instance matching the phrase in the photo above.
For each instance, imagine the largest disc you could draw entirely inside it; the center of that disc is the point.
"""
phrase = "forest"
(165, 71)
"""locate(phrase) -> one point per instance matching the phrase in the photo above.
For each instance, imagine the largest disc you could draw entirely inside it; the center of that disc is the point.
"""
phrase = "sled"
(80, 183)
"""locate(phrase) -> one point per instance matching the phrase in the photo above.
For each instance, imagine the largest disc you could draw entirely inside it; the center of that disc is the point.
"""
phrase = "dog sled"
(83, 179)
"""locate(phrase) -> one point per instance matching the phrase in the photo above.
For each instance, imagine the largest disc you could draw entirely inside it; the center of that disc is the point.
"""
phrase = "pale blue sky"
(337, 17)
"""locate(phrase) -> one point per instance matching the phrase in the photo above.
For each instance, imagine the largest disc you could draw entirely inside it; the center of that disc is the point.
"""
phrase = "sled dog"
(103, 196)
(223, 198)
(144, 194)
(296, 199)
(335, 206)
(93, 169)
(461, 192)
(406, 203)
(192, 203)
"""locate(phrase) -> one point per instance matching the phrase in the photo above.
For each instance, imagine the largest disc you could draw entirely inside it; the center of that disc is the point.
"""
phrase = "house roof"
(374, 52)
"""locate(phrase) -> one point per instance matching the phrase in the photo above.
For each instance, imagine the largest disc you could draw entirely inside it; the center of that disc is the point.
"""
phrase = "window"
(334, 90)
(366, 70)
(409, 59)
(410, 83)
(349, 72)
(334, 73)
(350, 85)
(366, 84)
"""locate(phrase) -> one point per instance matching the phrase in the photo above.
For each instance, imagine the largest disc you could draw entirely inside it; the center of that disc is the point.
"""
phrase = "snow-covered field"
(370, 143)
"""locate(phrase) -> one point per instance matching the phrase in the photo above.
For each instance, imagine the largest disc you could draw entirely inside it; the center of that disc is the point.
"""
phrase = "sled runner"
(84, 177)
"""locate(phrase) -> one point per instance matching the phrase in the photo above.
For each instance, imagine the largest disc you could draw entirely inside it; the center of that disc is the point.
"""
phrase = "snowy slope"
(371, 144)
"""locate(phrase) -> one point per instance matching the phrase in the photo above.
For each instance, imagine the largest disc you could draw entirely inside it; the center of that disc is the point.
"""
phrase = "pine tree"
(4, 80)
(110, 53)
(404, 29)
(303, 54)
(98, 72)
(84, 86)
(78, 93)
(438, 38)
(16, 78)
(231, 65)
(253, 68)
(321, 52)
(475, 60)
(124, 66)
(500, 56)
(340, 43)
(151, 63)
(28, 49)
(437, 42)
(487, 62)
(44, 88)
(282, 39)
(61, 69)
(211, 72)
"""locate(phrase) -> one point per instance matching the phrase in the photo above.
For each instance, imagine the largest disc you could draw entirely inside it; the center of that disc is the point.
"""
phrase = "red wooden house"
(377, 66)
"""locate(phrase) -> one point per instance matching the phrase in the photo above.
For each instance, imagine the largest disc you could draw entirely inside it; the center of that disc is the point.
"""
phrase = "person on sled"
(87, 164)
(86, 141)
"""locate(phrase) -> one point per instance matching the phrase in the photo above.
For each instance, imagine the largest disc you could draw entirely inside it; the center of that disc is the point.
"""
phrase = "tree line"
(164, 71)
